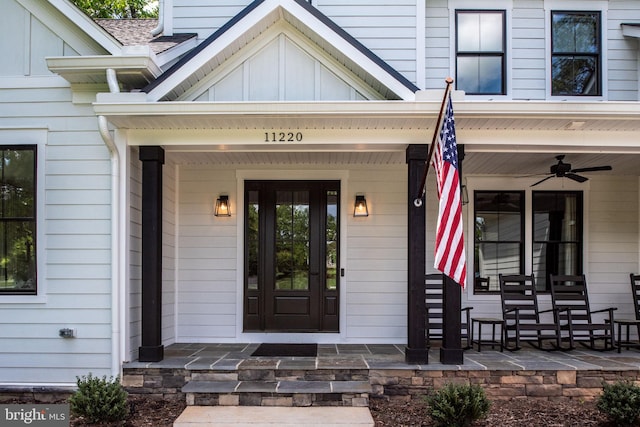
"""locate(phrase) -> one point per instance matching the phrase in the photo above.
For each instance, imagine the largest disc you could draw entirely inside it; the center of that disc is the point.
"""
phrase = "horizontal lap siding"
(376, 259)
(437, 44)
(169, 261)
(622, 63)
(75, 270)
(376, 22)
(613, 242)
(528, 38)
(134, 296)
(204, 16)
(207, 275)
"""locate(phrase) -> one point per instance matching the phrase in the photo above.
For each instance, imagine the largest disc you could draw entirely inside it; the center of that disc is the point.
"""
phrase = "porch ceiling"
(475, 163)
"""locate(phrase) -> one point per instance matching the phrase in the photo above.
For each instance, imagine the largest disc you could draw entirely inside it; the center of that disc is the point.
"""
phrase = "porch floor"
(231, 357)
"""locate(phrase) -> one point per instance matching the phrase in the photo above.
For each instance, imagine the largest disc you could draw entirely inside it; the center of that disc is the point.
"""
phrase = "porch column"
(451, 352)
(416, 351)
(152, 350)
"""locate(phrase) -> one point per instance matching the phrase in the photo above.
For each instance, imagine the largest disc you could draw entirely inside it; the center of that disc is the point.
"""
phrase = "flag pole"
(418, 200)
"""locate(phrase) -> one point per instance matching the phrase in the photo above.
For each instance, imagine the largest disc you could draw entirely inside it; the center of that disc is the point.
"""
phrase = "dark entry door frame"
(291, 256)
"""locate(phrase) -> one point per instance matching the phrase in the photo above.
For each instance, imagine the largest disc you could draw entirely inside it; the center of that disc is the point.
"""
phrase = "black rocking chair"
(434, 288)
(522, 317)
(570, 301)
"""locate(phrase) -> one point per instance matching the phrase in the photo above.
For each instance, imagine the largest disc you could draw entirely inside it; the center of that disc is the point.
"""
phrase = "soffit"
(520, 164)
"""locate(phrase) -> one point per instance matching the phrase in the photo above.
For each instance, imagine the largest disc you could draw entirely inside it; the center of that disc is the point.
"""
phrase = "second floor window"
(575, 53)
(480, 52)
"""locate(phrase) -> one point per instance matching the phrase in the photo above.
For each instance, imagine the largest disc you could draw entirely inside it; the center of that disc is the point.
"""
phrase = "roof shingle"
(135, 32)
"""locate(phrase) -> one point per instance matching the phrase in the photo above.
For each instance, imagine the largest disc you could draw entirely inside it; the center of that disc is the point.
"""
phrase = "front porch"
(349, 374)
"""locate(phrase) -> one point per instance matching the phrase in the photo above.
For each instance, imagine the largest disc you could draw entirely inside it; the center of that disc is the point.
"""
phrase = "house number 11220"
(282, 136)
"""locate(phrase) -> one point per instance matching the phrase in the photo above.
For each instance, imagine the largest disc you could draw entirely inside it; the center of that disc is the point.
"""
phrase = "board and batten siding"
(386, 28)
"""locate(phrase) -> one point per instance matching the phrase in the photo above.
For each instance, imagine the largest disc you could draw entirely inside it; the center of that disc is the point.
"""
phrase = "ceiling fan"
(564, 170)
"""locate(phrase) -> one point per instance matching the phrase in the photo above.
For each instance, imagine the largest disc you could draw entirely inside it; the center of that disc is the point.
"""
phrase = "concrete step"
(256, 416)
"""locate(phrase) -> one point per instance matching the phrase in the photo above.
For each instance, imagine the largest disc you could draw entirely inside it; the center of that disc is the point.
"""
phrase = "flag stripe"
(449, 251)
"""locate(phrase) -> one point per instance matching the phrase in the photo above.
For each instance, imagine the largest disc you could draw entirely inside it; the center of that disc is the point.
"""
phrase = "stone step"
(238, 416)
(278, 393)
(277, 387)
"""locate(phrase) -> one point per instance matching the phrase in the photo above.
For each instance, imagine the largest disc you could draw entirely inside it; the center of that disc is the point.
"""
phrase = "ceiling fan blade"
(592, 169)
(542, 180)
(575, 177)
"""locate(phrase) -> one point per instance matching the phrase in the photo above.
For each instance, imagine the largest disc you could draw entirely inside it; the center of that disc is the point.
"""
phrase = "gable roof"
(255, 19)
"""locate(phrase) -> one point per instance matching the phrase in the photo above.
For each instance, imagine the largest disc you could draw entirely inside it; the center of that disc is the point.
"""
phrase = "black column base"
(451, 356)
(416, 356)
(150, 353)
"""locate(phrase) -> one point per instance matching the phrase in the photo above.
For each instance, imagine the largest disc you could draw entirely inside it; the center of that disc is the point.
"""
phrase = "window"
(18, 220)
(575, 53)
(499, 237)
(480, 52)
(557, 234)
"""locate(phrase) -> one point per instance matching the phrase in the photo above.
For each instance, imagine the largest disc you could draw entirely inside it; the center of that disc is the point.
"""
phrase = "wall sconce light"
(360, 207)
(222, 206)
(464, 194)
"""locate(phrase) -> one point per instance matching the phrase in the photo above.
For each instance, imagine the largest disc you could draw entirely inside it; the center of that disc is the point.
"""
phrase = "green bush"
(621, 402)
(99, 400)
(458, 405)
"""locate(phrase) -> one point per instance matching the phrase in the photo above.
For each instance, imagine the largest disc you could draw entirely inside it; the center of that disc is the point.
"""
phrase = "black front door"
(291, 256)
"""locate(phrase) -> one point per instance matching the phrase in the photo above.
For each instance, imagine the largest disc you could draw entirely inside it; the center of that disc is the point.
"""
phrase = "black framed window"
(18, 220)
(576, 53)
(480, 52)
(557, 234)
(498, 237)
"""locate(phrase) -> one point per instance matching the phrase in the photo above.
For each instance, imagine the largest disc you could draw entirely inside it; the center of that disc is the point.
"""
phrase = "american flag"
(449, 251)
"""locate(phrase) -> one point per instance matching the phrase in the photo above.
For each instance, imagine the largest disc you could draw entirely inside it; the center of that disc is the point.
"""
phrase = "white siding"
(613, 236)
(169, 260)
(387, 28)
(74, 273)
(622, 52)
(207, 287)
(282, 70)
(376, 266)
(438, 44)
(528, 50)
(134, 296)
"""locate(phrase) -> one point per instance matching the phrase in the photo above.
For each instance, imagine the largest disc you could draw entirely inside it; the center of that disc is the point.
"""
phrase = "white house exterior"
(300, 106)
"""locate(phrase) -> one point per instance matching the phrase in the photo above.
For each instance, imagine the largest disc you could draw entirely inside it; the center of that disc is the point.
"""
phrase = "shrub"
(621, 402)
(99, 400)
(458, 405)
